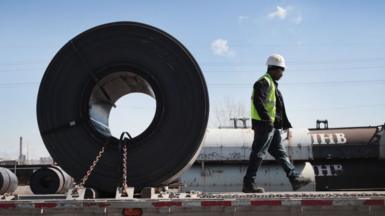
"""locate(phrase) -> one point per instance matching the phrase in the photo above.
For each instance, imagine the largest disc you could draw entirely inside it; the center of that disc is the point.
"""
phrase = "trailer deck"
(282, 203)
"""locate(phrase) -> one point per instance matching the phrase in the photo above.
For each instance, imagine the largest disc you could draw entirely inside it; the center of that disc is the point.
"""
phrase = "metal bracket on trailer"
(166, 193)
(154, 193)
(81, 193)
(76, 194)
(128, 193)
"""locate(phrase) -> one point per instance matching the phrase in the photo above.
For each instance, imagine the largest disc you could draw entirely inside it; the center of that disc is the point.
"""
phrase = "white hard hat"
(276, 60)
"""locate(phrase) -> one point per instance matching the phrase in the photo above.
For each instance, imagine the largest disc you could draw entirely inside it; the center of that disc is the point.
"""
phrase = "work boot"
(249, 186)
(299, 181)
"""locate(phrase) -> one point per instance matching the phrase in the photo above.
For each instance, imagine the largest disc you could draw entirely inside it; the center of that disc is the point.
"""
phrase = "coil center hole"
(122, 101)
(133, 113)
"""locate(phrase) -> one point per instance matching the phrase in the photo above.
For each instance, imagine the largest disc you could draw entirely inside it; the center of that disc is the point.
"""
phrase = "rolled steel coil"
(91, 72)
(8, 181)
(50, 180)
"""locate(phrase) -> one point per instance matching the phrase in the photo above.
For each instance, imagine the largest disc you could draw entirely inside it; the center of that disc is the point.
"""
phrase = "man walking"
(268, 117)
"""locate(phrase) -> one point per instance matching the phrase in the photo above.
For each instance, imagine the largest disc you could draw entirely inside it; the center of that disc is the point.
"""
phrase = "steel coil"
(50, 180)
(8, 181)
(91, 72)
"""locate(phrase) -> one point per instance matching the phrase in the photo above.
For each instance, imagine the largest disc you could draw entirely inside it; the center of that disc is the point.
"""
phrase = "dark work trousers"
(265, 140)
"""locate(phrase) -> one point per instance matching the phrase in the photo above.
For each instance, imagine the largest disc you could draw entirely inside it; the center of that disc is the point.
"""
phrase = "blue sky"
(334, 52)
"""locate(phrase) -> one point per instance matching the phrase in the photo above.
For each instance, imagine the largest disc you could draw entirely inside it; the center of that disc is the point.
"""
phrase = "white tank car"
(222, 162)
(336, 158)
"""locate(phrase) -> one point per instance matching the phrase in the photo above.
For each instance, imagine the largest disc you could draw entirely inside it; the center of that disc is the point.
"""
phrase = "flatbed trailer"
(281, 203)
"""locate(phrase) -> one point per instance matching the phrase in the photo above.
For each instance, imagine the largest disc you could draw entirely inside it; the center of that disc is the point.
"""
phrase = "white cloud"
(279, 13)
(286, 13)
(220, 47)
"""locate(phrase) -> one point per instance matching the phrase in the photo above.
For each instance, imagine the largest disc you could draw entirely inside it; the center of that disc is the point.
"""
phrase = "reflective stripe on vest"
(269, 102)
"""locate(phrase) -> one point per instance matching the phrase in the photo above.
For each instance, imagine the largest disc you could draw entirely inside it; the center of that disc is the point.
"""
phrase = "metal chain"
(91, 169)
(124, 142)
(124, 179)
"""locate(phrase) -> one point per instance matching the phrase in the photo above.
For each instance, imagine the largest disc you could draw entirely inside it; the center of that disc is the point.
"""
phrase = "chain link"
(91, 169)
(124, 142)
(124, 165)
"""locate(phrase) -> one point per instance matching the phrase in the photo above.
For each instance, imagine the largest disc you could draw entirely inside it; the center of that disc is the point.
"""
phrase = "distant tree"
(222, 113)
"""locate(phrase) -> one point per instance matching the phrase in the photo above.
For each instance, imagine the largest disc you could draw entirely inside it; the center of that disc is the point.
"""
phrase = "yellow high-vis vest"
(269, 103)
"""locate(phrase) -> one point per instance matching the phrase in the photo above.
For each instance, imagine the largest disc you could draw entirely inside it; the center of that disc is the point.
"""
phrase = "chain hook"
(125, 138)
